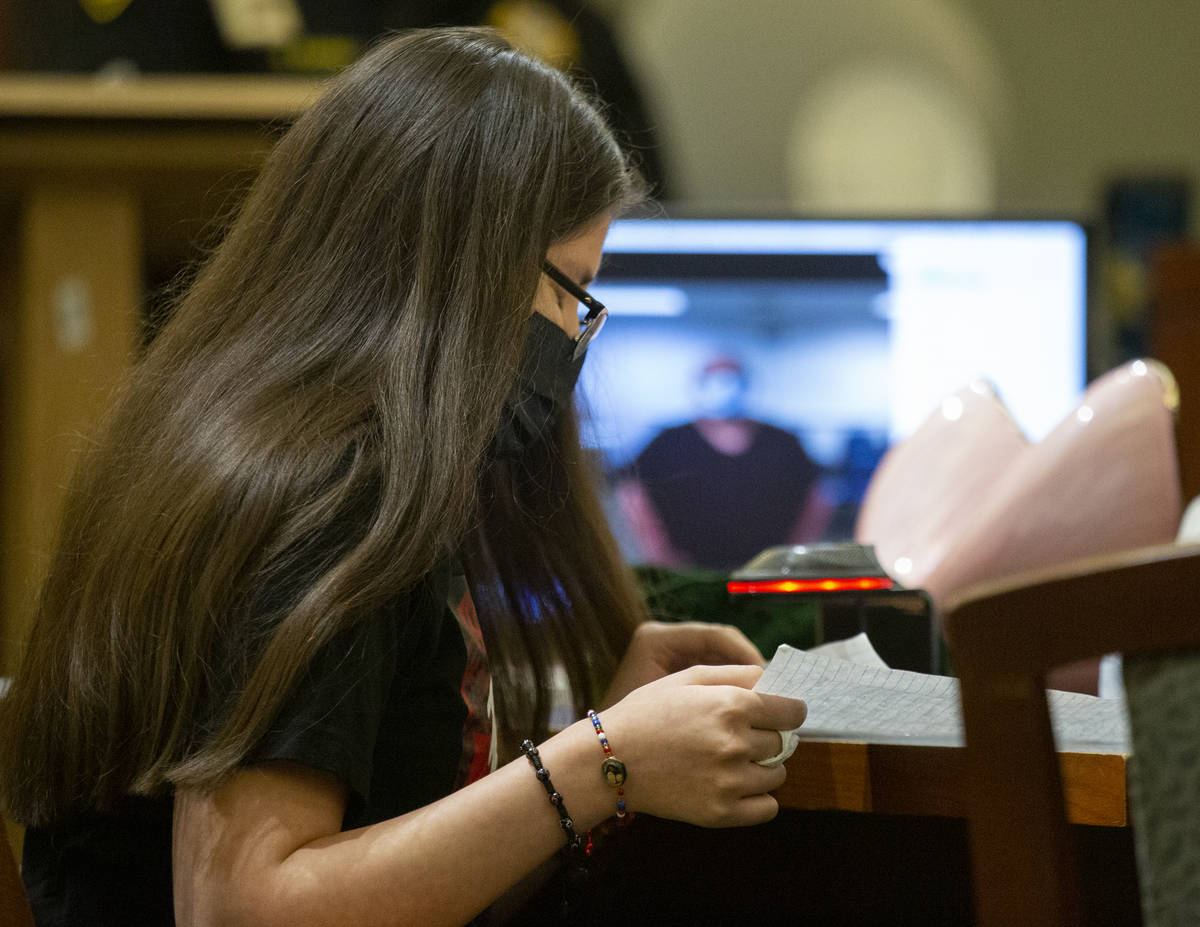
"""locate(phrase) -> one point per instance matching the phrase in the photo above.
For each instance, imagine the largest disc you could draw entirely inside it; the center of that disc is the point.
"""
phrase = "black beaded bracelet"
(575, 846)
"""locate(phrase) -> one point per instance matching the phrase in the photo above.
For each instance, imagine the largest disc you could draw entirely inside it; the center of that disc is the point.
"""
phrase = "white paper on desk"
(850, 701)
(856, 649)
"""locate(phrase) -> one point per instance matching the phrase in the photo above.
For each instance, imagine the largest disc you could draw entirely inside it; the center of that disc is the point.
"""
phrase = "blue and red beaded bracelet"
(612, 768)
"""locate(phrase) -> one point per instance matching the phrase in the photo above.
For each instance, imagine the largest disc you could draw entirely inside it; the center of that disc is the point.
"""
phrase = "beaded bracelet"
(612, 768)
(575, 846)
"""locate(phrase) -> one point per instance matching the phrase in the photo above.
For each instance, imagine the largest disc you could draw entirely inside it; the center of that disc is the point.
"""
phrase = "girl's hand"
(691, 742)
(658, 649)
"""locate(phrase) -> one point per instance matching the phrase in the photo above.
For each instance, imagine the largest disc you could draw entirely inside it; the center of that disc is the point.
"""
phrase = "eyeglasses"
(597, 313)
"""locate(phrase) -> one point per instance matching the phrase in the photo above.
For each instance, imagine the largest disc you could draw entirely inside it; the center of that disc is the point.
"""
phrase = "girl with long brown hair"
(241, 701)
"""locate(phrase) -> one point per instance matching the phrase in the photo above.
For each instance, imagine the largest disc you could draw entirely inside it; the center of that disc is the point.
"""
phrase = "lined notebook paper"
(857, 702)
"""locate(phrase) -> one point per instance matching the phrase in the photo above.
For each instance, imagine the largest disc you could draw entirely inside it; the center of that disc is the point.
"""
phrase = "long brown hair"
(337, 369)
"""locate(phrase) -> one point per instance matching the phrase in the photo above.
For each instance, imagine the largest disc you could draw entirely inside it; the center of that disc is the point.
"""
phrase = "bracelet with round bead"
(612, 768)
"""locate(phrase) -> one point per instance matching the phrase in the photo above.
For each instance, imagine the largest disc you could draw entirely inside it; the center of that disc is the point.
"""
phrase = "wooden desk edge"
(925, 780)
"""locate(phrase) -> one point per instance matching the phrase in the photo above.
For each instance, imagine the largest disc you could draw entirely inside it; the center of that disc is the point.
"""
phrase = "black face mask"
(545, 381)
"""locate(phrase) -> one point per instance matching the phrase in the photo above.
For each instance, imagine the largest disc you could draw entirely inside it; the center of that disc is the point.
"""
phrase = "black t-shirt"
(380, 708)
(721, 509)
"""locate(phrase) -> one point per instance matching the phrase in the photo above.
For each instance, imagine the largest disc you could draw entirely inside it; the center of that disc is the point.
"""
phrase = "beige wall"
(1070, 91)
(1099, 86)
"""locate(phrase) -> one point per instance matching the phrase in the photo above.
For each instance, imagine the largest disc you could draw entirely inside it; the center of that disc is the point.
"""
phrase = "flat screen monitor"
(753, 372)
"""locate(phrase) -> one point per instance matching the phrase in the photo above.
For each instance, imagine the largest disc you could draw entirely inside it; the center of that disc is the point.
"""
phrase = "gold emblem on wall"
(538, 29)
(104, 11)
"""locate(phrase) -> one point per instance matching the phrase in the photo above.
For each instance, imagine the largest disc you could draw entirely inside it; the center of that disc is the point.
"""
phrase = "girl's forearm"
(441, 864)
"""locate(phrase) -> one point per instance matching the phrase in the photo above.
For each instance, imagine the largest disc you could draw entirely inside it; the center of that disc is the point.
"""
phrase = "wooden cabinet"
(107, 188)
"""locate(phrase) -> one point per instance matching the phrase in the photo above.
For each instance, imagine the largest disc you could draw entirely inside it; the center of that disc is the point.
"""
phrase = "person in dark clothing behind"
(716, 491)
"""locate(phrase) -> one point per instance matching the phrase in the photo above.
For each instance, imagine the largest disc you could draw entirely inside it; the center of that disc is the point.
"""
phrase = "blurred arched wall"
(1051, 101)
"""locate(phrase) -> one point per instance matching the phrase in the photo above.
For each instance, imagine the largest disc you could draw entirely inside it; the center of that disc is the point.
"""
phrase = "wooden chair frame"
(1004, 637)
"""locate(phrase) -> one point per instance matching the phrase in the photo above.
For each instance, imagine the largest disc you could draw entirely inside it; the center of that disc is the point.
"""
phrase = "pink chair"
(967, 499)
(928, 486)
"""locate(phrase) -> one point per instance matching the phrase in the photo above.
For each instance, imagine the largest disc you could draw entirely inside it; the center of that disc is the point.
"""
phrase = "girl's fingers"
(713, 644)
(753, 809)
(768, 712)
(762, 779)
(777, 712)
(764, 744)
(742, 676)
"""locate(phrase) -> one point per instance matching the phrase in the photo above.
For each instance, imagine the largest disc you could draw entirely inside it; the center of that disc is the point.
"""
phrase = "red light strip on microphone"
(843, 584)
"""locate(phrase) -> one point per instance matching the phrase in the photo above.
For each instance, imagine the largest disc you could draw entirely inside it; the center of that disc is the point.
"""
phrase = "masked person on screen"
(718, 490)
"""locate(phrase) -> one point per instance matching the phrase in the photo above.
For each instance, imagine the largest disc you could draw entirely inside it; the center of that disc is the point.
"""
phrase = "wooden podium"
(867, 834)
(106, 189)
